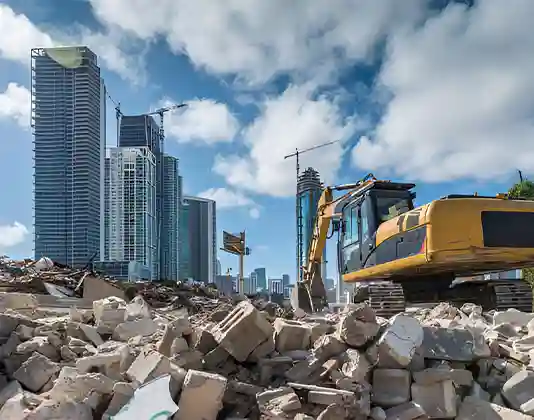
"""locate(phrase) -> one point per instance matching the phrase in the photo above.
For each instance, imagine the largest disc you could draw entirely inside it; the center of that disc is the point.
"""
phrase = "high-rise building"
(184, 251)
(253, 283)
(199, 226)
(285, 280)
(262, 278)
(218, 268)
(130, 231)
(309, 189)
(275, 286)
(68, 121)
(169, 227)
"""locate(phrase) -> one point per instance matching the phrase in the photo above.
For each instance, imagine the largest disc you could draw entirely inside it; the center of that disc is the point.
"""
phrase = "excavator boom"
(310, 293)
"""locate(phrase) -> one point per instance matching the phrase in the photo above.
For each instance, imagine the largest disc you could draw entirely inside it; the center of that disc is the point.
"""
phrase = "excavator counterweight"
(395, 253)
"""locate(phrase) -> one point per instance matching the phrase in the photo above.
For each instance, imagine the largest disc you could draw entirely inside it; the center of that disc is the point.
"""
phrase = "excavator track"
(388, 299)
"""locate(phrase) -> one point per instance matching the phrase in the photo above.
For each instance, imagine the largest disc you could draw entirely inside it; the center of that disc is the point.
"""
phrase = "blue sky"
(439, 93)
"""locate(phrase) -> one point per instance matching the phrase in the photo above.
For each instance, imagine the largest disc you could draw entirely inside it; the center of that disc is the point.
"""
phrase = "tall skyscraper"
(130, 231)
(309, 189)
(262, 278)
(199, 253)
(68, 121)
(169, 230)
(285, 280)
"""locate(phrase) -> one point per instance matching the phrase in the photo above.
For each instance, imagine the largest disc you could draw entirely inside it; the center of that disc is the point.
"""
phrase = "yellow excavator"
(397, 254)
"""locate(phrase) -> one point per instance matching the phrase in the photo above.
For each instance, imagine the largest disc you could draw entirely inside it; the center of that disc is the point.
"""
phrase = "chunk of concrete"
(399, 342)
(10, 390)
(454, 344)
(356, 367)
(391, 387)
(291, 335)
(150, 364)
(473, 408)
(519, 389)
(358, 325)
(36, 372)
(129, 329)
(201, 397)
(513, 317)
(407, 411)
(71, 385)
(202, 339)
(460, 377)
(244, 329)
(438, 399)
(65, 409)
(275, 403)
(91, 334)
(16, 408)
(109, 312)
(328, 346)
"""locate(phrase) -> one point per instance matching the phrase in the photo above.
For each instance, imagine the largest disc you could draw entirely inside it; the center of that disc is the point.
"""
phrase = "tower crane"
(161, 112)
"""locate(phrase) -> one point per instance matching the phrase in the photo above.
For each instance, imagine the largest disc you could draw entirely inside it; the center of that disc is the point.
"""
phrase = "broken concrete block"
(461, 377)
(188, 359)
(358, 325)
(201, 397)
(36, 372)
(317, 329)
(244, 329)
(262, 351)
(24, 332)
(40, 345)
(356, 366)
(333, 412)
(91, 334)
(513, 317)
(10, 390)
(202, 339)
(399, 342)
(215, 358)
(473, 408)
(519, 389)
(8, 323)
(178, 345)
(328, 346)
(109, 313)
(75, 386)
(438, 400)
(291, 335)
(149, 365)
(167, 340)
(391, 387)
(139, 327)
(303, 371)
(86, 364)
(277, 402)
(455, 344)
(15, 408)
(407, 411)
(65, 409)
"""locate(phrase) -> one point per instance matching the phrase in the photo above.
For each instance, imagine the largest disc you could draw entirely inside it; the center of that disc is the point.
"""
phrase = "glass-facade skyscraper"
(68, 122)
(309, 189)
(199, 252)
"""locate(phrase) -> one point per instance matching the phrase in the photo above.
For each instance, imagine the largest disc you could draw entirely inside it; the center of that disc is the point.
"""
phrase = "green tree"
(524, 189)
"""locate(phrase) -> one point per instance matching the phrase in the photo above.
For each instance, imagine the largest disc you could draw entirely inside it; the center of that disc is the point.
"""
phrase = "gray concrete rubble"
(243, 361)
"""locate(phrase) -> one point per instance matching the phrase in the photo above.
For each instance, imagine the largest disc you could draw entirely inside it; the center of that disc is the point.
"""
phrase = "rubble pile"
(129, 360)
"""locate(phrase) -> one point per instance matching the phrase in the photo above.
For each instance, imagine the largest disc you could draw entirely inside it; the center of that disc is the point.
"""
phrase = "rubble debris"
(199, 356)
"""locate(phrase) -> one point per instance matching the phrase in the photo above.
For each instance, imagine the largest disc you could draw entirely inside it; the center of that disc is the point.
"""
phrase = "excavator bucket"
(310, 296)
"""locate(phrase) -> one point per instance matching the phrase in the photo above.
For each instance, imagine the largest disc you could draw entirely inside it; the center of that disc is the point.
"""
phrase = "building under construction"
(309, 189)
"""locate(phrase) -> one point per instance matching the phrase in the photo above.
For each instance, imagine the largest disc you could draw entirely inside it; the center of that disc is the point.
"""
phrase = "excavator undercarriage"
(390, 298)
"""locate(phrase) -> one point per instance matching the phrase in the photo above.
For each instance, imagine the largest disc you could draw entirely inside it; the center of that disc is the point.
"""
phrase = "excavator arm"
(310, 293)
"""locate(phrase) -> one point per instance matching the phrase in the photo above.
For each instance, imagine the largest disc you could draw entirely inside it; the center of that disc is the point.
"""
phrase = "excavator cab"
(361, 217)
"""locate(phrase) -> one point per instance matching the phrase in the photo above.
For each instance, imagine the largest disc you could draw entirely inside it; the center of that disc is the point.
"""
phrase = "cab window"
(351, 221)
(389, 207)
(365, 222)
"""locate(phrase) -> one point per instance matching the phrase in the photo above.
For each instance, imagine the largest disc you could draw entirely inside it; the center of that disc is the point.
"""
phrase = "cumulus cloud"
(462, 96)
(20, 35)
(293, 120)
(11, 235)
(15, 103)
(238, 37)
(226, 199)
(205, 121)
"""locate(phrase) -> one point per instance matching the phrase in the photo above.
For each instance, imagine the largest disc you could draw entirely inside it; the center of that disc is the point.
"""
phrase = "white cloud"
(254, 213)
(15, 103)
(11, 235)
(462, 96)
(239, 37)
(204, 121)
(293, 120)
(226, 199)
(21, 35)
